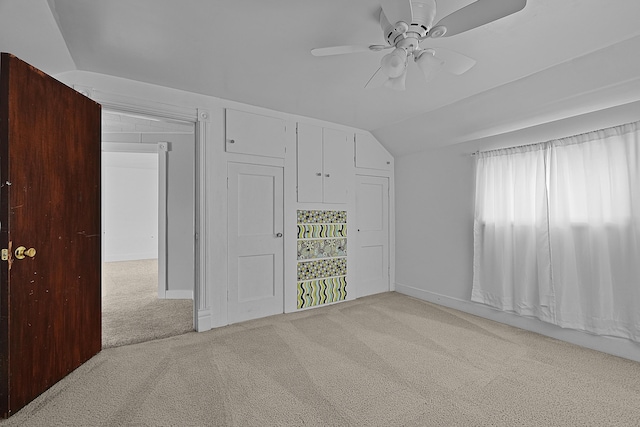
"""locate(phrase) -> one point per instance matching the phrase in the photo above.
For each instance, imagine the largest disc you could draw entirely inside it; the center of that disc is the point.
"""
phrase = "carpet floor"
(384, 360)
(131, 309)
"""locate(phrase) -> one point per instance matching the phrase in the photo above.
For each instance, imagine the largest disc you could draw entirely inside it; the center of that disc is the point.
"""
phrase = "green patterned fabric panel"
(323, 291)
(307, 231)
(322, 217)
(322, 252)
(322, 268)
(322, 248)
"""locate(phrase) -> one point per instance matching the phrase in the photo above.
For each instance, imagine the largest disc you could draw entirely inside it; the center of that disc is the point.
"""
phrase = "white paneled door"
(255, 240)
(372, 224)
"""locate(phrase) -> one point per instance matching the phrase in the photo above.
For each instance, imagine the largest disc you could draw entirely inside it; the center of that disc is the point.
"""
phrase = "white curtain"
(512, 268)
(557, 231)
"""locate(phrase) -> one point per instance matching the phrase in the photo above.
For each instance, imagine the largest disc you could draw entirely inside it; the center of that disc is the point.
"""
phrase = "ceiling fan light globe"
(394, 64)
(397, 83)
(429, 64)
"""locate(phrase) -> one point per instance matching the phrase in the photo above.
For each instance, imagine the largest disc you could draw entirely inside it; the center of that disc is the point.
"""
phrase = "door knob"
(21, 252)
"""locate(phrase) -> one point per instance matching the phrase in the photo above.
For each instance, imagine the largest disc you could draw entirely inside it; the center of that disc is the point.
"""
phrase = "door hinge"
(5, 255)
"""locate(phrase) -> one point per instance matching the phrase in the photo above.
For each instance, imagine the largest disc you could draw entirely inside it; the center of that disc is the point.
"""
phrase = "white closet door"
(255, 241)
(309, 163)
(248, 133)
(337, 164)
(370, 154)
(372, 224)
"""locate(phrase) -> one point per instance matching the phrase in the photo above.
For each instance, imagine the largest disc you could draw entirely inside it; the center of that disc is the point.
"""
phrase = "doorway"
(148, 211)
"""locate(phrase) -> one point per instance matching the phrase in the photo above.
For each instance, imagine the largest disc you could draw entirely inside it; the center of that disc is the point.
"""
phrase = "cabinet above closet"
(248, 133)
(370, 154)
(325, 162)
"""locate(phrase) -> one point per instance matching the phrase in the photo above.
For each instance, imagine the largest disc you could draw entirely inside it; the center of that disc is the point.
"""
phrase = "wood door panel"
(50, 305)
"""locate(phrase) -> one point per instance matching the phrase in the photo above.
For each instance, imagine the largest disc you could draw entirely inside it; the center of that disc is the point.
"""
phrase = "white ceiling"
(553, 59)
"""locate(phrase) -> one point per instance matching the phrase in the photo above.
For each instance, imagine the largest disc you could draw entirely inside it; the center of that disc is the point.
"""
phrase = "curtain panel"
(557, 231)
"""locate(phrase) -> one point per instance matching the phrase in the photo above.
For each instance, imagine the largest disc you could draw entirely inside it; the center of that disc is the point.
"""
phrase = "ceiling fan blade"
(454, 62)
(339, 50)
(479, 13)
(397, 11)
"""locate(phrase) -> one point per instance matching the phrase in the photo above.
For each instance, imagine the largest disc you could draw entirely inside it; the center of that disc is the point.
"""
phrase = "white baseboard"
(612, 345)
(178, 295)
(129, 257)
(204, 321)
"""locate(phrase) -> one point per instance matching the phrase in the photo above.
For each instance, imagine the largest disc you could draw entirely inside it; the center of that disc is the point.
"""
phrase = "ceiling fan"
(406, 23)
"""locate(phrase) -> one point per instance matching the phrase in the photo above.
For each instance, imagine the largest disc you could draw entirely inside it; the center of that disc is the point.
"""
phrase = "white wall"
(211, 168)
(434, 230)
(180, 212)
(127, 231)
(130, 206)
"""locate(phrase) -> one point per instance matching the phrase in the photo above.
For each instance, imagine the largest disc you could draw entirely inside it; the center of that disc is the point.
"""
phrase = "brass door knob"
(21, 252)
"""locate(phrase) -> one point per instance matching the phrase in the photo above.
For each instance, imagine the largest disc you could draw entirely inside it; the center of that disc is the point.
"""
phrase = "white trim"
(130, 257)
(128, 104)
(179, 294)
(163, 184)
(290, 218)
(200, 117)
(616, 346)
(202, 313)
(374, 172)
(129, 147)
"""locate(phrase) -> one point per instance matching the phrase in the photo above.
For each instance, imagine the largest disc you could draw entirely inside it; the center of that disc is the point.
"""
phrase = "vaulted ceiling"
(551, 60)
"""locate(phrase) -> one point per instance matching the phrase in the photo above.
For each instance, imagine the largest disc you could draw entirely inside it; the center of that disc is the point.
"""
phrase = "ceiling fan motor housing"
(424, 13)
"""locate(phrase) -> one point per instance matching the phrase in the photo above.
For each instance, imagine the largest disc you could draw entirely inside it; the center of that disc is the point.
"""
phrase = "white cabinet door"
(370, 154)
(255, 241)
(372, 224)
(248, 133)
(337, 160)
(309, 163)
(325, 159)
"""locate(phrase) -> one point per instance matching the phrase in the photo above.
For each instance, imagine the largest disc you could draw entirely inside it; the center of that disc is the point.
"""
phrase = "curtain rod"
(636, 123)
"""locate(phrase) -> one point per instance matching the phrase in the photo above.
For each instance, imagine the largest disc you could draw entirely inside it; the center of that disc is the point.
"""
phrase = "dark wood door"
(50, 297)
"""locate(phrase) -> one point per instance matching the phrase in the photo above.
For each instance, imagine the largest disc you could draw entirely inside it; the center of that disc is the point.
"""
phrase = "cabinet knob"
(232, 141)
(327, 175)
(319, 174)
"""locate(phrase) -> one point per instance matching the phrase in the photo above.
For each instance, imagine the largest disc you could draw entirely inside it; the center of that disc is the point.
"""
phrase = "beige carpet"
(131, 310)
(386, 360)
